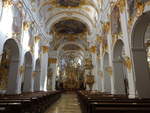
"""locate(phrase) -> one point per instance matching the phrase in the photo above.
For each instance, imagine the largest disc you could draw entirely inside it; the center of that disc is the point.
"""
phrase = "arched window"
(7, 21)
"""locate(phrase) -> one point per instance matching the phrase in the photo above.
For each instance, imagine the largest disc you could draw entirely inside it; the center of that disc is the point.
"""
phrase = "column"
(126, 38)
(44, 66)
(95, 71)
(54, 67)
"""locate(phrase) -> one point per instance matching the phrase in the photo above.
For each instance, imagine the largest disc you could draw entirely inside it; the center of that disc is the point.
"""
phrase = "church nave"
(73, 56)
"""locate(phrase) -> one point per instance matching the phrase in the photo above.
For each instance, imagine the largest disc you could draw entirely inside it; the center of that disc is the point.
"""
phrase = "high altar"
(71, 82)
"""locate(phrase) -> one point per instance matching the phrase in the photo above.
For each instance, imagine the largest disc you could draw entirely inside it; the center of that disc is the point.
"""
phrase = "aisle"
(68, 103)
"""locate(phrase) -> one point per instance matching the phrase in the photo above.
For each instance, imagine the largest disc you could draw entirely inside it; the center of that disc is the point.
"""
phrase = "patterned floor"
(68, 103)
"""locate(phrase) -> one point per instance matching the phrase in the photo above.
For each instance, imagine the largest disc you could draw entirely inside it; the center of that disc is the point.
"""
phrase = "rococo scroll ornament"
(140, 8)
(128, 63)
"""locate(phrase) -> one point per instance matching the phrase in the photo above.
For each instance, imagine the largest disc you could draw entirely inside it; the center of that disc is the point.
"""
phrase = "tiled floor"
(68, 103)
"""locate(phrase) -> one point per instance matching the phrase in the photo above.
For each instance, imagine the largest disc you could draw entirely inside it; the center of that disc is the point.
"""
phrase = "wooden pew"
(106, 103)
(119, 107)
(36, 102)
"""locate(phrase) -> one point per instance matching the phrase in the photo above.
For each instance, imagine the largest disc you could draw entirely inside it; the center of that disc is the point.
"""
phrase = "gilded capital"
(7, 3)
(52, 60)
(121, 4)
(99, 39)
(37, 38)
(26, 25)
(140, 8)
(92, 49)
(128, 63)
(106, 27)
(45, 49)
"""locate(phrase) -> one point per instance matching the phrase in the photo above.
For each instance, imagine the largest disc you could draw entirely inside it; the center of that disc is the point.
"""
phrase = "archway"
(9, 67)
(37, 76)
(28, 81)
(120, 72)
(141, 70)
(107, 81)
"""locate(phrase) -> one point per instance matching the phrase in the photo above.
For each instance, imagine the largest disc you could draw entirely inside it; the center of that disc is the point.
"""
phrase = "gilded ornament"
(140, 8)
(26, 25)
(112, 4)
(121, 4)
(52, 60)
(99, 39)
(130, 22)
(114, 38)
(88, 63)
(45, 49)
(109, 70)
(106, 27)
(21, 69)
(37, 38)
(7, 3)
(92, 49)
(90, 81)
(128, 63)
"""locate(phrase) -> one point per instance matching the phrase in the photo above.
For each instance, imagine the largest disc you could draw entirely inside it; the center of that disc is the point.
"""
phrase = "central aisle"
(68, 103)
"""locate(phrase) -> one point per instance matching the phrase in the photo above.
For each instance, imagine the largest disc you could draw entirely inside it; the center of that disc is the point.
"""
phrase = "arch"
(37, 76)
(63, 15)
(139, 55)
(107, 80)
(10, 65)
(28, 79)
(120, 72)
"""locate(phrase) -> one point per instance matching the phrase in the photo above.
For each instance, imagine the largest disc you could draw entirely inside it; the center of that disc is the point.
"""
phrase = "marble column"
(44, 69)
(54, 67)
(95, 71)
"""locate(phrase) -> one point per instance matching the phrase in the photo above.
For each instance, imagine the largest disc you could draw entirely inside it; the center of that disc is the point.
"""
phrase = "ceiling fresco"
(72, 3)
(70, 26)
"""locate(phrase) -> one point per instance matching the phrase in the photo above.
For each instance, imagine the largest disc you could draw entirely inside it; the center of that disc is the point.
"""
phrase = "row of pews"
(97, 102)
(36, 102)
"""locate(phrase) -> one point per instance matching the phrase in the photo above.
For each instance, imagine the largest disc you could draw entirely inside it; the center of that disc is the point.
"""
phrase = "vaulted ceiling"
(70, 22)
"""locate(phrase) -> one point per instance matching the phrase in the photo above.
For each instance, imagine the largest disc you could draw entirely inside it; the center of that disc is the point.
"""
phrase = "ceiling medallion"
(69, 3)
